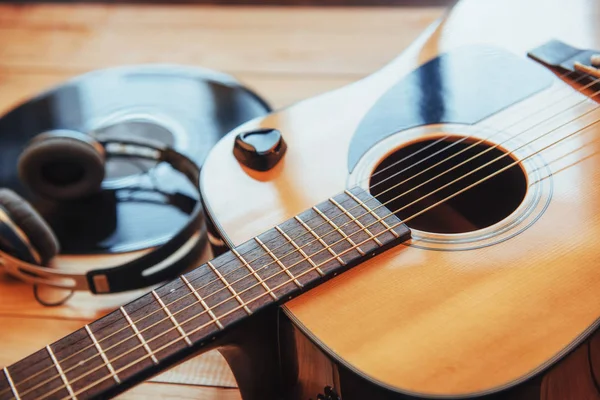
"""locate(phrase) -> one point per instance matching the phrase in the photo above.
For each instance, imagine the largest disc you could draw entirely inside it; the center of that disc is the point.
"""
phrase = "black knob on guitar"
(260, 149)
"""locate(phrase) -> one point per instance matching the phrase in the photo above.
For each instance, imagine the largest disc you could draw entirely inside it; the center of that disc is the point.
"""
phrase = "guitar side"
(403, 352)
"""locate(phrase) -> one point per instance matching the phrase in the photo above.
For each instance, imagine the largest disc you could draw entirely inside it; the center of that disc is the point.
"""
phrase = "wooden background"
(326, 3)
(286, 54)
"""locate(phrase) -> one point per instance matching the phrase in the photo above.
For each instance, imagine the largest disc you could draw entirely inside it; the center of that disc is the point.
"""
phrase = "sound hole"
(414, 178)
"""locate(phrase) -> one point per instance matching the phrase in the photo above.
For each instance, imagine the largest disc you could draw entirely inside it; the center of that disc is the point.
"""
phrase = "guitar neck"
(186, 315)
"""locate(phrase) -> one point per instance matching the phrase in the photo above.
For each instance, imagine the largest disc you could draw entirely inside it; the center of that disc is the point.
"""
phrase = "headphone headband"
(140, 272)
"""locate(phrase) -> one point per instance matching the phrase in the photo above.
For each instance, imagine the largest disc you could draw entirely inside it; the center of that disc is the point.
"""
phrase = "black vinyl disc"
(141, 204)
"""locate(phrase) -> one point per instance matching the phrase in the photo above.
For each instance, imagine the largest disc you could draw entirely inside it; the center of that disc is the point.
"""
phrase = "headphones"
(67, 165)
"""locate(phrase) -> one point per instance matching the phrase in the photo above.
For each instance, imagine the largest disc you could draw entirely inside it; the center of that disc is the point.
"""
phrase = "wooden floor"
(285, 54)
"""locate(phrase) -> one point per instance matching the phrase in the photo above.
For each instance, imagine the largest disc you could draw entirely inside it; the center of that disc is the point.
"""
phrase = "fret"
(253, 272)
(340, 231)
(357, 221)
(103, 355)
(316, 236)
(12, 384)
(155, 326)
(152, 324)
(278, 261)
(139, 336)
(172, 318)
(201, 300)
(230, 288)
(301, 251)
(317, 251)
(120, 343)
(235, 285)
(370, 211)
(36, 376)
(269, 270)
(188, 311)
(61, 373)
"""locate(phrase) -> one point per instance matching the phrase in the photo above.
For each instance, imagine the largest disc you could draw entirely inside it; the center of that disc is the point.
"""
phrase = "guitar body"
(494, 297)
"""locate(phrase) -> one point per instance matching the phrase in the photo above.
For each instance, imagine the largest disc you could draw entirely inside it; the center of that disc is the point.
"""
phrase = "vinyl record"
(141, 204)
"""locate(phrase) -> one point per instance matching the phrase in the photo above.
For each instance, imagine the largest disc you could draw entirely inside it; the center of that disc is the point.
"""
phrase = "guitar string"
(378, 220)
(555, 89)
(476, 169)
(352, 247)
(358, 205)
(471, 146)
(463, 138)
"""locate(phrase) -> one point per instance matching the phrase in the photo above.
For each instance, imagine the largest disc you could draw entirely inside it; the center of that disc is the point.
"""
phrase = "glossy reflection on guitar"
(461, 184)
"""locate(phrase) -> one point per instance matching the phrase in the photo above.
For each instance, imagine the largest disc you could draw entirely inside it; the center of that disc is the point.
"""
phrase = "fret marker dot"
(171, 291)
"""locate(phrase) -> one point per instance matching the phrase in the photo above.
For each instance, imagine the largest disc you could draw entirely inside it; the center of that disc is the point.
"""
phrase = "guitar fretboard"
(172, 321)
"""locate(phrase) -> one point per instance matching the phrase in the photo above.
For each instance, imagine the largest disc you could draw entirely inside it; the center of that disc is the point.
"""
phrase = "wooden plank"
(305, 52)
(304, 41)
(207, 369)
(295, 3)
(19, 84)
(281, 19)
(170, 391)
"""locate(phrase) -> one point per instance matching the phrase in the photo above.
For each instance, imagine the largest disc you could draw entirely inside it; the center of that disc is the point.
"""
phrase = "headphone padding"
(31, 223)
(39, 155)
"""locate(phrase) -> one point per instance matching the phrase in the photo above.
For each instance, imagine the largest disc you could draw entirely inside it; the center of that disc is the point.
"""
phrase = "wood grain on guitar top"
(440, 322)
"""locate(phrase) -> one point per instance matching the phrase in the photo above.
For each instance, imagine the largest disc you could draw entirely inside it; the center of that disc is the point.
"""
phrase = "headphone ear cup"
(33, 226)
(62, 167)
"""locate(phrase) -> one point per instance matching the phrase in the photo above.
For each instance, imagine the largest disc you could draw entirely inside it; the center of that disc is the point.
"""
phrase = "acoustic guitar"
(457, 189)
